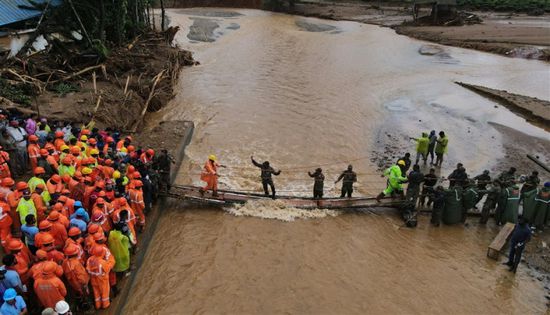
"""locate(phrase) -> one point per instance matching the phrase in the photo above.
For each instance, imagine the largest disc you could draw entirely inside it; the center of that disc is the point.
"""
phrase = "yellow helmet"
(212, 157)
(401, 162)
(124, 150)
(94, 151)
(116, 174)
(64, 147)
(84, 138)
(86, 171)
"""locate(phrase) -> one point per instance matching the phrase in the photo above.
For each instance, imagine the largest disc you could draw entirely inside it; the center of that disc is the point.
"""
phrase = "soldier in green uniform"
(493, 194)
(319, 183)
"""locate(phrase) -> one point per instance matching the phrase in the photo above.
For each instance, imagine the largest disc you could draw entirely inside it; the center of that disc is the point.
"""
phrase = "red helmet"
(33, 138)
(109, 140)
(48, 239)
(150, 152)
(92, 141)
(74, 231)
(21, 186)
(98, 250)
(75, 150)
(138, 183)
(39, 170)
(66, 161)
(15, 244)
(53, 216)
(8, 182)
(66, 178)
(43, 152)
(99, 236)
(56, 178)
(59, 134)
(131, 169)
(131, 148)
(94, 228)
(136, 175)
(71, 249)
(86, 132)
(44, 225)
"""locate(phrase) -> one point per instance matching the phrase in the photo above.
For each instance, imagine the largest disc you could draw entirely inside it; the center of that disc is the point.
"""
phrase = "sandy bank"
(509, 34)
(534, 110)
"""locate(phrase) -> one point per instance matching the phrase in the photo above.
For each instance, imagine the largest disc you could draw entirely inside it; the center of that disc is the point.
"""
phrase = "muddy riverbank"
(508, 34)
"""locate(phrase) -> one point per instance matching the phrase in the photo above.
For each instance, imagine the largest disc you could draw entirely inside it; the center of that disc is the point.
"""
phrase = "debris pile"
(115, 91)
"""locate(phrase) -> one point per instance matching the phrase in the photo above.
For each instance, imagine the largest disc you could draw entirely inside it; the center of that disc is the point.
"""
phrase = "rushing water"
(306, 92)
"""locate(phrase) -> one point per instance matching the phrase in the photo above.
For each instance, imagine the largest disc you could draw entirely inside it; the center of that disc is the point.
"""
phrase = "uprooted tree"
(108, 42)
(97, 25)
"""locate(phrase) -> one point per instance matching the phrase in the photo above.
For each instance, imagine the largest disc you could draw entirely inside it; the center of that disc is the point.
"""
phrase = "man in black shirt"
(520, 236)
(319, 183)
(482, 181)
(458, 177)
(428, 188)
(349, 177)
(162, 164)
(413, 189)
(267, 171)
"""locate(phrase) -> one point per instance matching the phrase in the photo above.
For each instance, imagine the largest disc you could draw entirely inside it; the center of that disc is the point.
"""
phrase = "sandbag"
(452, 212)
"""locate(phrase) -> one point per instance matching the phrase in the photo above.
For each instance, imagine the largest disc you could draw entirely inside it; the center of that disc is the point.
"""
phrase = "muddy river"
(305, 93)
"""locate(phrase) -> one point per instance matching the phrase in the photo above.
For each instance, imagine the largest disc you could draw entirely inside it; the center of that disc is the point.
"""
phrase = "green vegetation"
(63, 88)
(17, 93)
(96, 25)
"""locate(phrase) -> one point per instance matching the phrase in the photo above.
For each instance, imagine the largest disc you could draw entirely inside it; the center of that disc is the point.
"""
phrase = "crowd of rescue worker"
(69, 231)
(503, 194)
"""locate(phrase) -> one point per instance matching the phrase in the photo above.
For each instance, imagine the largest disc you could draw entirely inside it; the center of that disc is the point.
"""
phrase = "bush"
(19, 93)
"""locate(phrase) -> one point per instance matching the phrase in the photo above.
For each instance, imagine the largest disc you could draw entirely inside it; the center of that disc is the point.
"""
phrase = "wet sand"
(534, 110)
(509, 34)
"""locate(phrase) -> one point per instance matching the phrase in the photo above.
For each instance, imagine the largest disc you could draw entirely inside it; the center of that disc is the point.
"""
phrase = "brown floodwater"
(305, 92)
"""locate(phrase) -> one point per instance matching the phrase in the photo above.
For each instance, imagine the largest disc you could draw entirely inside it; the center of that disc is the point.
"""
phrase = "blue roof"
(11, 12)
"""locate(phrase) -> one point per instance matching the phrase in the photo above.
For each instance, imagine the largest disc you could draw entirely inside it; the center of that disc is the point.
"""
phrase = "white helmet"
(62, 307)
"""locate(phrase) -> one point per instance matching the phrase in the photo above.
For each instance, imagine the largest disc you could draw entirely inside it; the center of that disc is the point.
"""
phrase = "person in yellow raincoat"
(210, 175)
(395, 179)
(119, 245)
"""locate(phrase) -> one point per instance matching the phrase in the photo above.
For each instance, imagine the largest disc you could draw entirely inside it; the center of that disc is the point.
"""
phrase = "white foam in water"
(277, 209)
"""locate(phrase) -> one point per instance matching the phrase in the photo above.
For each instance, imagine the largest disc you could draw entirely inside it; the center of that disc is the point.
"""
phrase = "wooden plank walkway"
(500, 241)
(226, 197)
